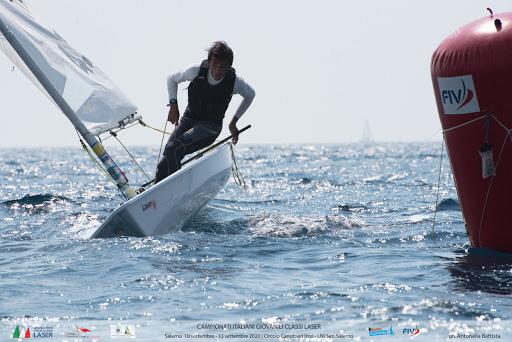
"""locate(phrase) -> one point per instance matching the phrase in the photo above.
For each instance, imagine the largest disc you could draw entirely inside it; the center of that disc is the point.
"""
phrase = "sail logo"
(458, 94)
(411, 332)
(150, 204)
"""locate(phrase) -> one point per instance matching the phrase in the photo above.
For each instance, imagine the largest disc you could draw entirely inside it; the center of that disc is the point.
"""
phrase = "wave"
(296, 226)
(481, 269)
(269, 201)
(448, 204)
(36, 200)
(350, 207)
(427, 307)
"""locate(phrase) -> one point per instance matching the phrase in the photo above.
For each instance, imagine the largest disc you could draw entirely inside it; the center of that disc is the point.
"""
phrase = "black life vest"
(209, 102)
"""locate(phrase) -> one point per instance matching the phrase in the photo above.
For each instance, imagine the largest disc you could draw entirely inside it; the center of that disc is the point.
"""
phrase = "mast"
(114, 171)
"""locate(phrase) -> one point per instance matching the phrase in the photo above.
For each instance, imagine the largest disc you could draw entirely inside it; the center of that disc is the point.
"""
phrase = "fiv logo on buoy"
(458, 94)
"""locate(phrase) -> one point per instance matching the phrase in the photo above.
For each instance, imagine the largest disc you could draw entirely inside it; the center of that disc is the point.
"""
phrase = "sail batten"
(97, 102)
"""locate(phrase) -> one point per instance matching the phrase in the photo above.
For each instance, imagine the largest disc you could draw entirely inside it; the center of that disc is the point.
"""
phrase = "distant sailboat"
(96, 106)
(366, 137)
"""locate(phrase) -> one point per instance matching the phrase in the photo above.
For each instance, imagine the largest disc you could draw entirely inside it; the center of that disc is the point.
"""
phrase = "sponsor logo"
(411, 331)
(150, 204)
(381, 331)
(122, 330)
(34, 332)
(42, 332)
(82, 333)
(21, 332)
(458, 94)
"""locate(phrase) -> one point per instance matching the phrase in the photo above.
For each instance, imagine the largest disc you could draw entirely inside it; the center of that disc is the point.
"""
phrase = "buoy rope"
(438, 185)
(501, 123)
(490, 186)
(464, 124)
(508, 134)
(431, 136)
(444, 131)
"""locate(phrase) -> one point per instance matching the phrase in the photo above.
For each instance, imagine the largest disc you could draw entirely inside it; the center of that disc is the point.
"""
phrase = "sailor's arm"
(173, 80)
(187, 74)
(247, 92)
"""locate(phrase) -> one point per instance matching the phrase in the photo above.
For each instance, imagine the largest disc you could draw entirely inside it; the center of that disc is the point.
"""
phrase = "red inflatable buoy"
(472, 78)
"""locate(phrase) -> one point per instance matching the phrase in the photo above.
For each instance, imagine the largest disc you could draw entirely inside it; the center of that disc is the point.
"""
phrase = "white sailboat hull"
(166, 206)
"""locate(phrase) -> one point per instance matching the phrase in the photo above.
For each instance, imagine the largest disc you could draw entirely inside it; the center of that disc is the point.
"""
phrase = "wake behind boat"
(96, 107)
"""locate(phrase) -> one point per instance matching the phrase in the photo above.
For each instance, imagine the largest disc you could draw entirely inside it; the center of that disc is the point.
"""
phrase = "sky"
(320, 68)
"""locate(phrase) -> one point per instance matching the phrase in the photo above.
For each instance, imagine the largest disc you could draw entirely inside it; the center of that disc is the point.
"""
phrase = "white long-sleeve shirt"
(241, 87)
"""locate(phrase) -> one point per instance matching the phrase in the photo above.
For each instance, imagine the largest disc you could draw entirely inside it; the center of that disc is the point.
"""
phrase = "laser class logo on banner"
(27, 332)
(458, 95)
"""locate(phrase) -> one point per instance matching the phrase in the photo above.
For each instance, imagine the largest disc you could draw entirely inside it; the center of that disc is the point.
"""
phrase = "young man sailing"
(212, 85)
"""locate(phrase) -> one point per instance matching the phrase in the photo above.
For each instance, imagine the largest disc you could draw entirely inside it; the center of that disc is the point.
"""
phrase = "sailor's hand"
(234, 131)
(174, 114)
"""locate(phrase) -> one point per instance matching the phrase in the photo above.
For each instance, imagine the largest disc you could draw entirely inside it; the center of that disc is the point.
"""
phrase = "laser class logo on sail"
(458, 94)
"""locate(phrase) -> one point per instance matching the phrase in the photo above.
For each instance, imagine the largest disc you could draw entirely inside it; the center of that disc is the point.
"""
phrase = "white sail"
(97, 102)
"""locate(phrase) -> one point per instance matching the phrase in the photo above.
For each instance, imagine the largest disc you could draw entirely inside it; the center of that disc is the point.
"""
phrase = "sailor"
(212, 85)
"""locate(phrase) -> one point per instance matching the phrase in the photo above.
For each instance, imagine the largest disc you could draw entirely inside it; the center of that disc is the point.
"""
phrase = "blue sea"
(324, 243)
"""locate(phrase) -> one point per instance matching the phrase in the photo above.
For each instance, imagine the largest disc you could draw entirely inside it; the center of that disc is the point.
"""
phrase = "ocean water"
(325, 242)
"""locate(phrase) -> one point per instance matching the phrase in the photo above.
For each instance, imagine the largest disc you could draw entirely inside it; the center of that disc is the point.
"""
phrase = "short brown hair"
(222, 51)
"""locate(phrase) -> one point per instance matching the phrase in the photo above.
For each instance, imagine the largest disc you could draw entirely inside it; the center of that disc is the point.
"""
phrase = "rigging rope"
(131, 156)
(101, 166)
(120, 129)
(113, 133)
(237, 175)
(94, 160)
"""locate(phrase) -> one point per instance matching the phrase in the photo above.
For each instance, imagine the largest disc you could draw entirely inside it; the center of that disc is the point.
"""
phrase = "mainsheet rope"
(154, 128)
(237, 175)
(161, 144)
